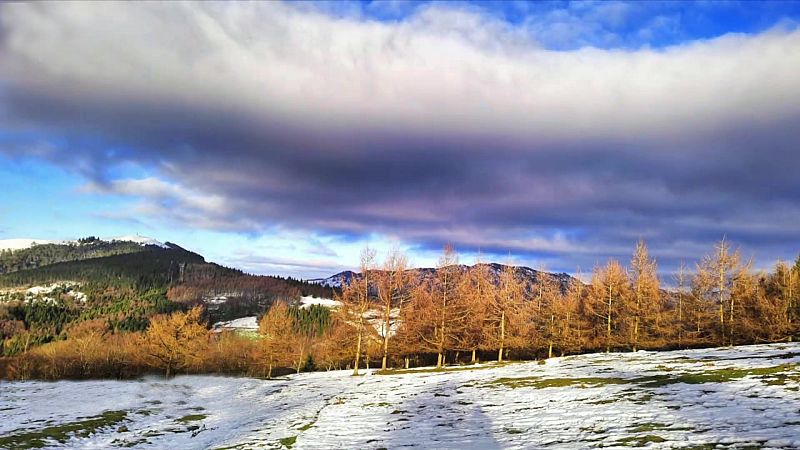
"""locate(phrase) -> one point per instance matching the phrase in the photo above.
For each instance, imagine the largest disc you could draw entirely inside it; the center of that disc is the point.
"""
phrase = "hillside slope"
(123, 287)
(25, 254)
(742, 397)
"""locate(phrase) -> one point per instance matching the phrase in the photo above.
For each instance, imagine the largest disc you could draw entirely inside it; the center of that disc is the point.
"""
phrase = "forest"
(393, 319)
(45, 254)
(119, 291)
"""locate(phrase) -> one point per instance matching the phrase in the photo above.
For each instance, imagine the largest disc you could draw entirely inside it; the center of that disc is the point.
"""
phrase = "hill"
(24, 254)
(531, 276)
(50, 288)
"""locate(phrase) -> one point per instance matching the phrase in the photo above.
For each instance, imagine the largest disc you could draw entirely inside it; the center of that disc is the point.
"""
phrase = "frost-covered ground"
(744, 397)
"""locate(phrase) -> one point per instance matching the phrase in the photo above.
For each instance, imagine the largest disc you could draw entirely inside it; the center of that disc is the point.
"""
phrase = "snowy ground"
(308, 301)
(743, 397)
(244, 324)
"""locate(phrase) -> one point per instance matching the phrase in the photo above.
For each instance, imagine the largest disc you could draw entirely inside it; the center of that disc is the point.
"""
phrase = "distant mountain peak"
(346, 277)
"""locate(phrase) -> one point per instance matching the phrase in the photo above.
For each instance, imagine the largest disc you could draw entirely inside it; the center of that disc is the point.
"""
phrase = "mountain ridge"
(528, 274)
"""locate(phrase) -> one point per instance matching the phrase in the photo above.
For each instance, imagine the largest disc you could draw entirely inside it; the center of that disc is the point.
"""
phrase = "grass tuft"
(288, 442)
(63, 432)
(191, 418)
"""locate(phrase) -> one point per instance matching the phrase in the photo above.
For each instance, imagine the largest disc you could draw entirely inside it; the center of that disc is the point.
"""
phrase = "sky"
(282, 138)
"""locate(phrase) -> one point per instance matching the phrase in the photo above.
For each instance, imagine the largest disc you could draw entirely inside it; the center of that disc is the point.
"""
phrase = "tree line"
(391, 317)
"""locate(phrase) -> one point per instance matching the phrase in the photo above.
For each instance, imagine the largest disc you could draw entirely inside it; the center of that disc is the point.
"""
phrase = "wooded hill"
(39, 255)
(529, 277)
(124, 287)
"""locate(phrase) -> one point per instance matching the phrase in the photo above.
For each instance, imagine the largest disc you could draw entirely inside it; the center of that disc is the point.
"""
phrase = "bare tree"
(355, 299)
(681, 282)
(505, 310)
(645, 292)
(720, 266)
(392, 283)
(277, 330)
(610, 292)
(176, 340)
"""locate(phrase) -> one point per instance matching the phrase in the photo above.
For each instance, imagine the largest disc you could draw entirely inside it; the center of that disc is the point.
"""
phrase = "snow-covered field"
(744, 397)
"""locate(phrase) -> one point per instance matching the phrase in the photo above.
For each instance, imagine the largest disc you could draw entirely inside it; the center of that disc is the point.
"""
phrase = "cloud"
(297, 268)
(447, 126)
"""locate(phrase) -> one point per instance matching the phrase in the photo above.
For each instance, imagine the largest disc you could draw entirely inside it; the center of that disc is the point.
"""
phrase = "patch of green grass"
(650, 426)
(542, 383)
(191, 418)
(655, 426)
(288, 442)
(605, 401)
(440, 369)
(379, 404)
(63, 432)
(128, 444)
(640, 441)
(307, 426)
(714, 376)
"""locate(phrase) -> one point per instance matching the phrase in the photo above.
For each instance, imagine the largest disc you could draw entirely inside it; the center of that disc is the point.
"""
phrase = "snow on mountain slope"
(525, 273)
(23, 243)
(141, 240)
(742, 397)
(335, 281)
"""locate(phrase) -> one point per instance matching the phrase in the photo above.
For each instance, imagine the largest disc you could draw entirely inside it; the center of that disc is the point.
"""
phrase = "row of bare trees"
(481, 310)
(393, 316)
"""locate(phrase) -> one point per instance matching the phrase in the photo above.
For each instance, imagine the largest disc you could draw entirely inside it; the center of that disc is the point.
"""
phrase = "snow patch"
(245, 324)
(44, 293)
(23, 243)
(141, 240)
(306, 302)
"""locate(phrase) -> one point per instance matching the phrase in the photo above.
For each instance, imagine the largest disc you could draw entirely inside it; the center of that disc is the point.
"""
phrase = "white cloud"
(229, 104)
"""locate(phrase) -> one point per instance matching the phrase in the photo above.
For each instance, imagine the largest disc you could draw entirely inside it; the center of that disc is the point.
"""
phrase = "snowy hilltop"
(24, 243)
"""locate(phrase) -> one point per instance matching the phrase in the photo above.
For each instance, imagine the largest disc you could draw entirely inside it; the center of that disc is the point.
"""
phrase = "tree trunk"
(442, 329)
(680, 314)
(638, 315)
(608, 323)
(473, 356)
(721, 288)
(502, 335)
(730, 320)
(386, 325)
(358, 354)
